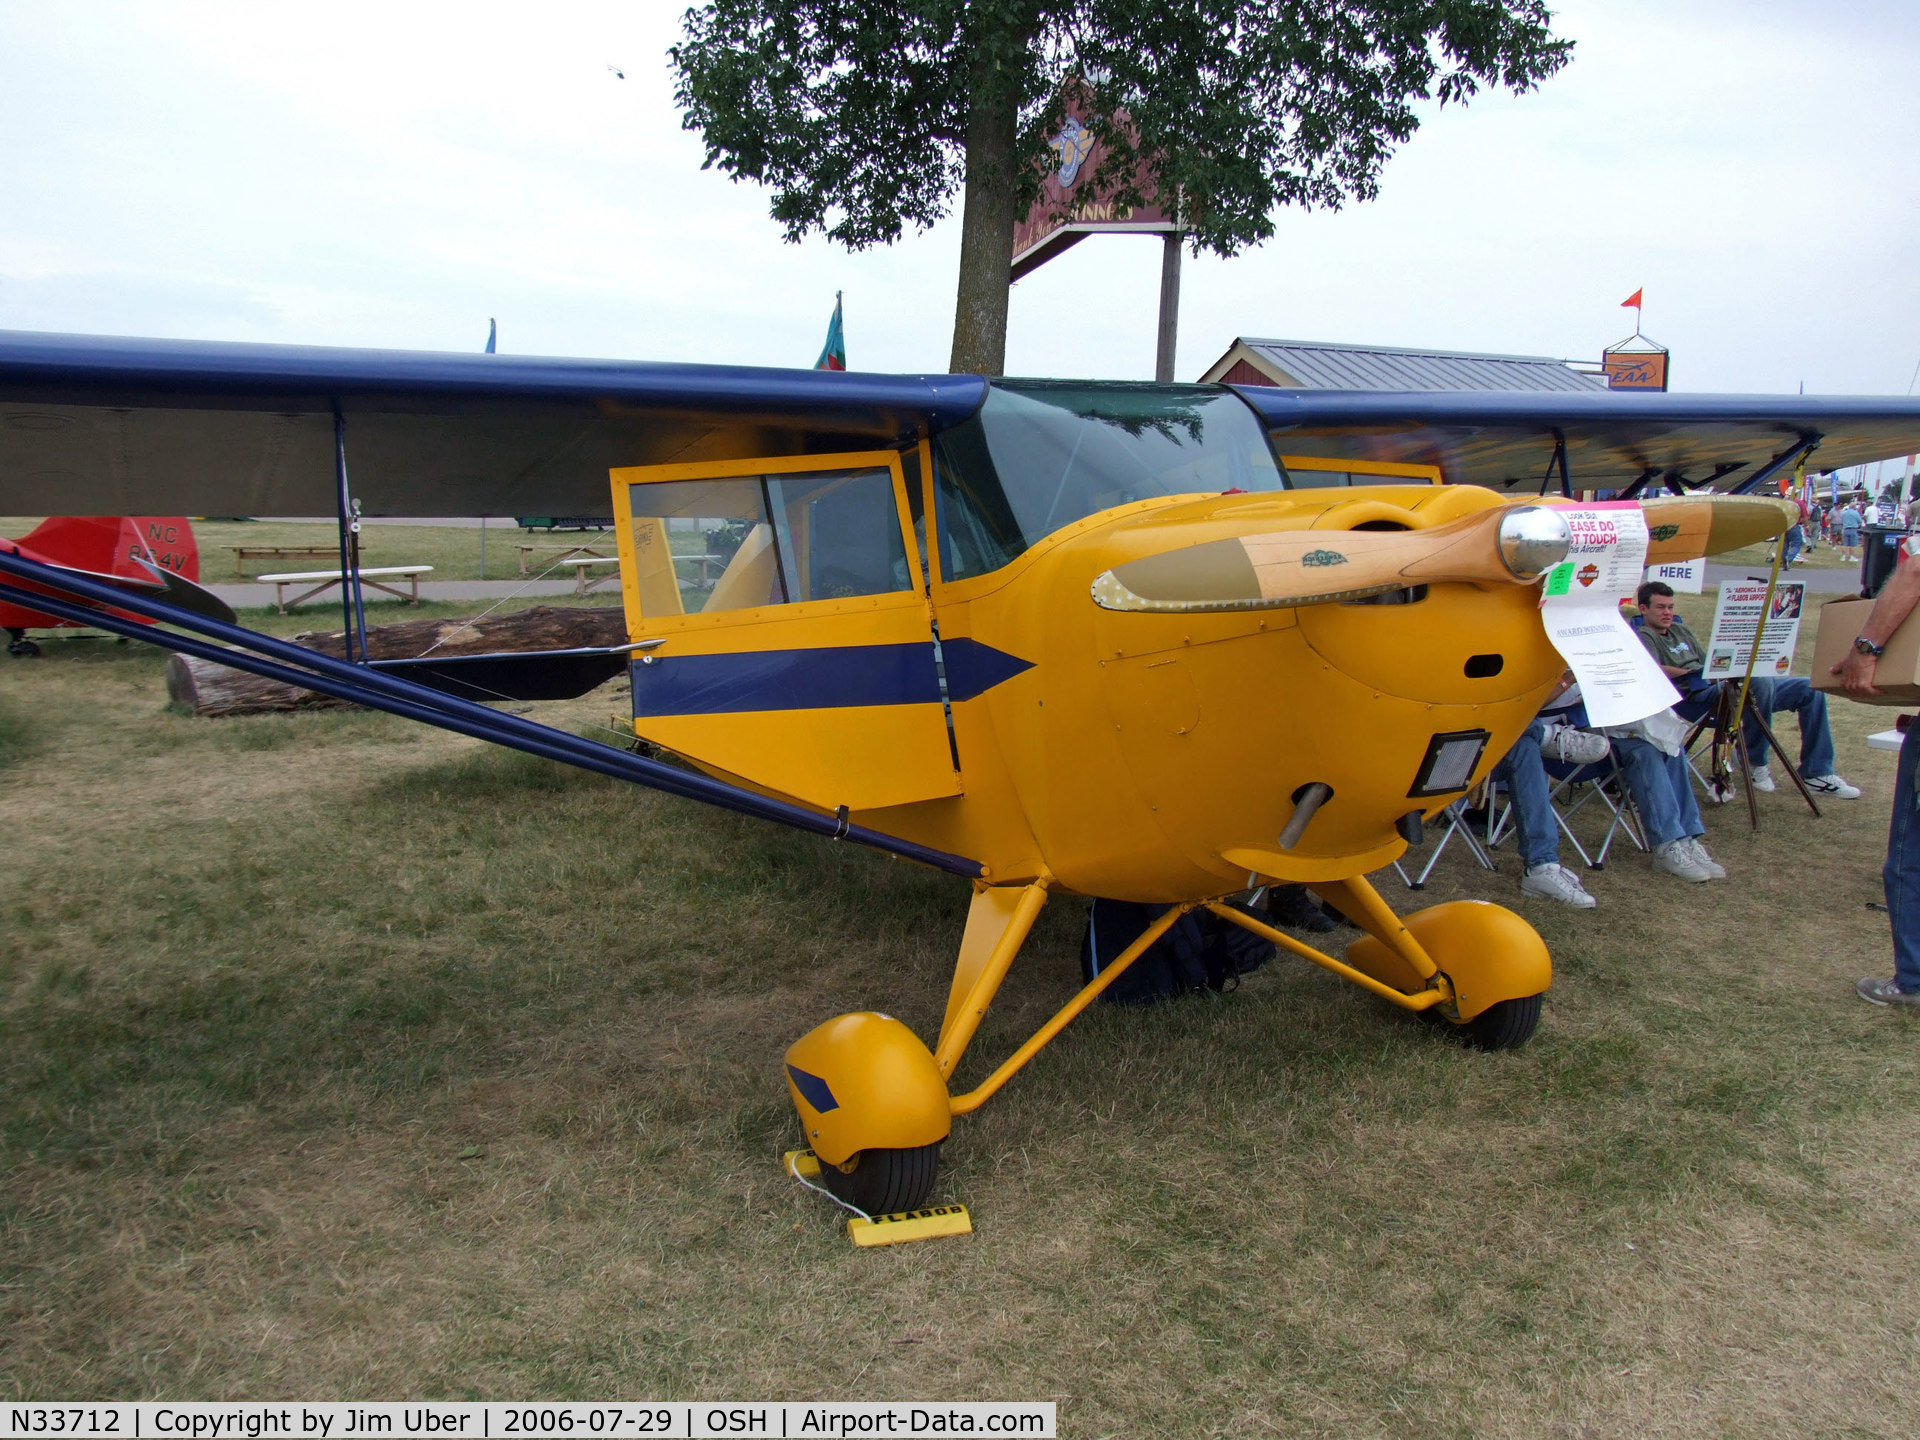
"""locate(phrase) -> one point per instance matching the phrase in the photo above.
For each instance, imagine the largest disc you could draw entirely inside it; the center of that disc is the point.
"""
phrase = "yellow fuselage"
(1156, 757)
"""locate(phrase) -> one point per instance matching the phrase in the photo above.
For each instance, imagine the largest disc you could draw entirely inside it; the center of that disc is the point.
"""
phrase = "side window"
(739, 544)
(1309, 474)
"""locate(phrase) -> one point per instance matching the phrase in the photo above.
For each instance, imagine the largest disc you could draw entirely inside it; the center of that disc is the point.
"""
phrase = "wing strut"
(353, 608)
(1773, 467)
(1559, 458)
(76, 598)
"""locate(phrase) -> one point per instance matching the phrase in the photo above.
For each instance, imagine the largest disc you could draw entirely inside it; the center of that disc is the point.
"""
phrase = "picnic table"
(244, 553)
(324, 580)
(566, 552)
(705, 580)
(582, 564)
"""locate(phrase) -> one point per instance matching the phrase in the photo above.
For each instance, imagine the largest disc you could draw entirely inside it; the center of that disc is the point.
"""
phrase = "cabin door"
(795, 649)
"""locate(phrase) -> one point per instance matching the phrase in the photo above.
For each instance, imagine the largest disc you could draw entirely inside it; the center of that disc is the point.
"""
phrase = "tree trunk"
(210, 689)
(986, 229)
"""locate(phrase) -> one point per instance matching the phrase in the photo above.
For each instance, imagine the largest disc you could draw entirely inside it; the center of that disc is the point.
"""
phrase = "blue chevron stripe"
(824, 678)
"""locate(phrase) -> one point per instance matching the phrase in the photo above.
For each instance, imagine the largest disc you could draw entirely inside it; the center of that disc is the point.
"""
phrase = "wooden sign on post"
(1635, 369)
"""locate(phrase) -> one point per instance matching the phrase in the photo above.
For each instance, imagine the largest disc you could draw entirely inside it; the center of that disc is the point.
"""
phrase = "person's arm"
(1897, 599)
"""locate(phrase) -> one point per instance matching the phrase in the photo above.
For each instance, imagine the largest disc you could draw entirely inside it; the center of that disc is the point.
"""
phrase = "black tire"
(23, 649)
(1503, 1025)
(885, 1182)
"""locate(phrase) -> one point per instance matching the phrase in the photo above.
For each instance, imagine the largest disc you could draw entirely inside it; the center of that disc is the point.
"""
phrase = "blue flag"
(493, 334)
(833, 355)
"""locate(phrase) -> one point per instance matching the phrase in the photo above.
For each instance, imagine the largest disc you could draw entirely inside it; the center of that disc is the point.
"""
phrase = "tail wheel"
(885, 1182)
(1503, 1025)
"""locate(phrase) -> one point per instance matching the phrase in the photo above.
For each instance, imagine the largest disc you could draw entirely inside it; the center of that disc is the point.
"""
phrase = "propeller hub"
(1533, 539)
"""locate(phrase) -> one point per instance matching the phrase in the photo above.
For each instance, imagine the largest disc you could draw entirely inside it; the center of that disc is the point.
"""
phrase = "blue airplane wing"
(1506, 439)
(93, 425)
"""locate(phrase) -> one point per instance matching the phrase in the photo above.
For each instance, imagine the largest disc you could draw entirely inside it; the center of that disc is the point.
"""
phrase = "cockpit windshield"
(1043, 454)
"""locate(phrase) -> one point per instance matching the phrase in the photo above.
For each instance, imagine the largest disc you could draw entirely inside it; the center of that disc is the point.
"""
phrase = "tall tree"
(866, 116)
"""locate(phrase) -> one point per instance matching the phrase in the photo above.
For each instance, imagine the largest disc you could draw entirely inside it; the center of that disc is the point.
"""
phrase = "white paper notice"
(1736, 619)
(1580, 607)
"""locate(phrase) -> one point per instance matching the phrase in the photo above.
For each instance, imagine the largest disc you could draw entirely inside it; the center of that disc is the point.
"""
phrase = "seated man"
(1681, 656)
(1523, 769)
(1662, 788)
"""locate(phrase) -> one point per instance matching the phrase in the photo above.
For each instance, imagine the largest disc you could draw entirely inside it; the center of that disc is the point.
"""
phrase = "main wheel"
(1503, 1025)
(885, 1182)
(24, 648)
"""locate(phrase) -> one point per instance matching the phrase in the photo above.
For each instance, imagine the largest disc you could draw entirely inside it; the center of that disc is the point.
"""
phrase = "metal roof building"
(1315, 365)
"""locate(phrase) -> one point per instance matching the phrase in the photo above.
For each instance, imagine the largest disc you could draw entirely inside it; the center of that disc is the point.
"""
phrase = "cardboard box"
(1898, 674)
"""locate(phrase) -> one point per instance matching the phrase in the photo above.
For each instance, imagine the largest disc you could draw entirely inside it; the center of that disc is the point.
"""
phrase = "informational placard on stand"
(1736, 620)
(1685, 577)
(1580, 607)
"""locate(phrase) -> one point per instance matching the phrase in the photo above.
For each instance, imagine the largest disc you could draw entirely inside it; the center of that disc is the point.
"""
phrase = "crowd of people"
(1838, 521)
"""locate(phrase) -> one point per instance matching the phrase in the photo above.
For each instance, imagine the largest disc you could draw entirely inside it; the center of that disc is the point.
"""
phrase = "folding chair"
(1603, 779)
(1452, 821)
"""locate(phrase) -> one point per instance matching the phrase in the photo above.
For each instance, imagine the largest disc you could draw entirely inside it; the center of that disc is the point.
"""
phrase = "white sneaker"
(1718, 793)
(1763, 780)
(1556, 882)
(1676, 858)
(1573, 746)
(1832, 785)
(1715, 870)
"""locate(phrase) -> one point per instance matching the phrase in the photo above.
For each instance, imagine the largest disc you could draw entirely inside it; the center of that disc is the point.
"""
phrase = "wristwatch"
(1867, 647)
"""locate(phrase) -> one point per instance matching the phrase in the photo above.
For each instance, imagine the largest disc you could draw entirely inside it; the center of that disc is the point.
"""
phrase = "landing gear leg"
(1479, 969)
(1494, 962)
(873, 1099)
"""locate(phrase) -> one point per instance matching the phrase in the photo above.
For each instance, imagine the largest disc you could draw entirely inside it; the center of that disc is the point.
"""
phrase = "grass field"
(452, 550)
(344, 1058)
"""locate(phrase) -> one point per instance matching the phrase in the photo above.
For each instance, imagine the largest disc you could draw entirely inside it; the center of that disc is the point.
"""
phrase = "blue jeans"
(1799, 696)
(1526, 780)
(1902, 873)
(1662, 789)
(1796, 542)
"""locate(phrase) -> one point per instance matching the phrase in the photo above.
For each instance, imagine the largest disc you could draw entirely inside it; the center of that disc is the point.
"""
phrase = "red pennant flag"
(1633, 300)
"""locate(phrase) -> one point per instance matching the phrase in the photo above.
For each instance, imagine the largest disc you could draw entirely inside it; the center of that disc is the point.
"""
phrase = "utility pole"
(1169, 307)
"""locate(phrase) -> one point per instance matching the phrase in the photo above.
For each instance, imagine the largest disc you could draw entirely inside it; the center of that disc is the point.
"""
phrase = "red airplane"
(152, 554)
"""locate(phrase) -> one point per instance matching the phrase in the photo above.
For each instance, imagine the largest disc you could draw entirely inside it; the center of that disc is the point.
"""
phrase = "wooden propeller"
(1686, 527)
(1513, 545)
(1284, 568)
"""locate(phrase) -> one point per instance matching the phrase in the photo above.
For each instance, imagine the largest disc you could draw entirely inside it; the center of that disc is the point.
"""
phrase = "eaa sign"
(1070, 209)
(1635, 369)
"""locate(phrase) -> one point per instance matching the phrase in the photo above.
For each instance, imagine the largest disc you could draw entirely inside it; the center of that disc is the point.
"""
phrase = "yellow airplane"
(1148, 642)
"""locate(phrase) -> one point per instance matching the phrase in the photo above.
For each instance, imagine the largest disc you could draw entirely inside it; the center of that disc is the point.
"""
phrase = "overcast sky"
(393, 175)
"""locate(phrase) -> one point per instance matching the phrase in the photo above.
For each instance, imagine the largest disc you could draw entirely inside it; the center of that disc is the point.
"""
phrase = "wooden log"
(207, 688)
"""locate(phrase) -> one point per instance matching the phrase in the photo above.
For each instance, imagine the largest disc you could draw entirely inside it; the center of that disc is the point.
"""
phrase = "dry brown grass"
(343, 1058)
